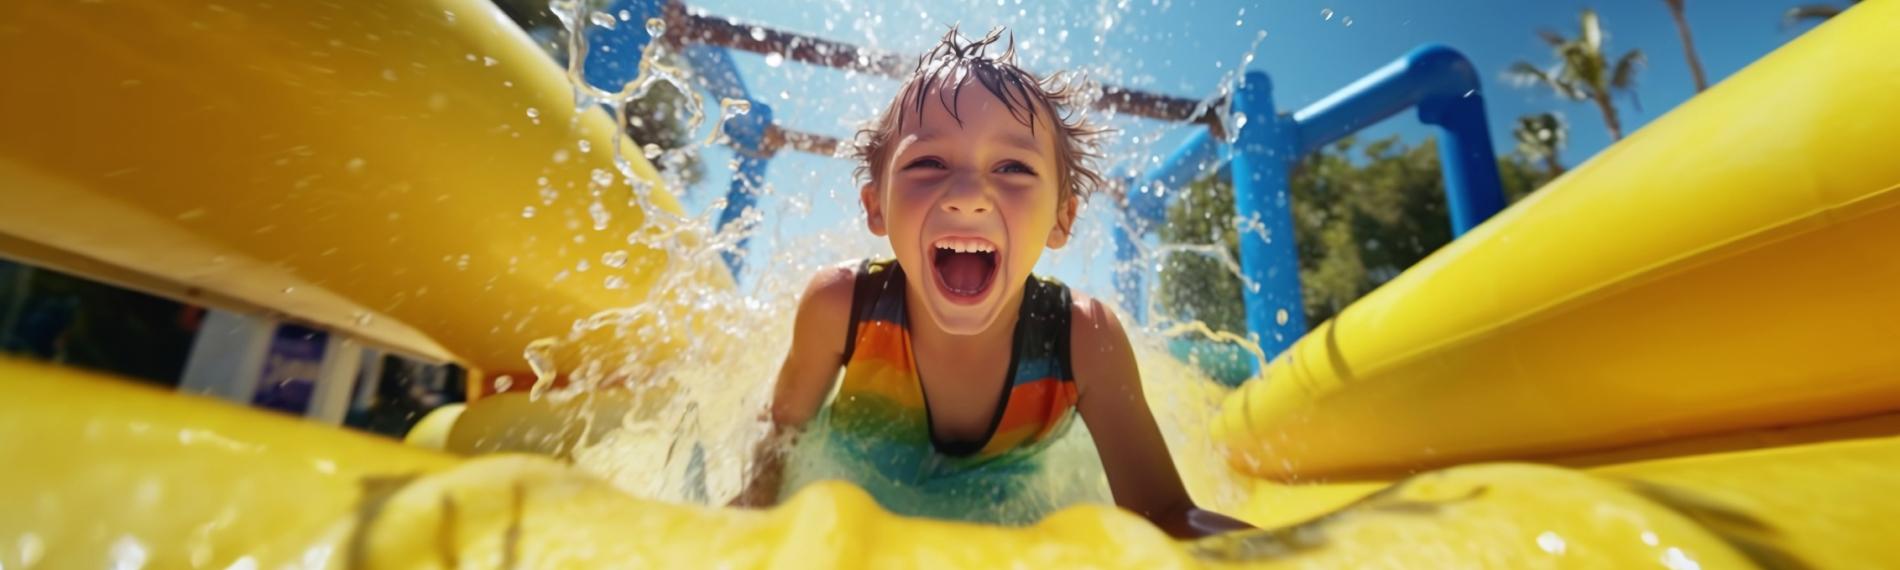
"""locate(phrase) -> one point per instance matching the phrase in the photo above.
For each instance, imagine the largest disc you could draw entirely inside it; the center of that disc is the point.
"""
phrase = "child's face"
(969, 208)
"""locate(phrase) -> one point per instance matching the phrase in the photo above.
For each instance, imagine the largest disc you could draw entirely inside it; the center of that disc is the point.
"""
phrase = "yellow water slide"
(1730, 268)
(364, 167)
(1710, 285)
(108, 474)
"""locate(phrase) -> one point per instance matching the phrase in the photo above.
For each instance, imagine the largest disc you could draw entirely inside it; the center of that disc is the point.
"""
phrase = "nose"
(967, 195)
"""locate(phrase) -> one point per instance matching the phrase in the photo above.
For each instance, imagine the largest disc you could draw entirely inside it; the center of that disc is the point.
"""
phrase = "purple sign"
(290, 369)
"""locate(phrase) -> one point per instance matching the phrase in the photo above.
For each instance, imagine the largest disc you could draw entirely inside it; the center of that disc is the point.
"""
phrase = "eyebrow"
(1023, 142)
(1018, 141)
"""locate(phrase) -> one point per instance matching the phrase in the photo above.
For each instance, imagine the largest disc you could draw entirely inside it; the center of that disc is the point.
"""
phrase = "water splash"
(693, 418)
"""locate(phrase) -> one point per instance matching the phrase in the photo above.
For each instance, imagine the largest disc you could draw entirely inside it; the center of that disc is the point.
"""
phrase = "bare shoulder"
(824, 310)
(1092, 321)
(1099, 349)
(829, 289)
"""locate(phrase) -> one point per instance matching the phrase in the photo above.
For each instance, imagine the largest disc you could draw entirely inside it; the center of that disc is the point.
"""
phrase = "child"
(959, 366)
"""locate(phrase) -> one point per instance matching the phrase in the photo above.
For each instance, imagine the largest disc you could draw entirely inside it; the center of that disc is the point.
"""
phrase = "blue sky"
(1189, 47)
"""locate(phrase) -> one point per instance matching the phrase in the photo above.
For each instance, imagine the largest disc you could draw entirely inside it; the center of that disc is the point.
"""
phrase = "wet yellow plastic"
(1729, 266)
(101, 471)
(1722, 269)
(364, 167)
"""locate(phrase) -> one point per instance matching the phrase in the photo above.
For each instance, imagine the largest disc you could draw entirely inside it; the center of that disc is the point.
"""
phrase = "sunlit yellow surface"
(1729, 266)
(363, 166)
(114, 472)
(367, 166)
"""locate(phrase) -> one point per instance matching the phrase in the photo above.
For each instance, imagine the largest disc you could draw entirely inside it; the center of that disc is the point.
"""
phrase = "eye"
(928, 162)
(1014, 167)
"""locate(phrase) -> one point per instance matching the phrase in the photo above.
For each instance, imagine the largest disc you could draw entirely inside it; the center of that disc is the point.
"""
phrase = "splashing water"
(691, 421)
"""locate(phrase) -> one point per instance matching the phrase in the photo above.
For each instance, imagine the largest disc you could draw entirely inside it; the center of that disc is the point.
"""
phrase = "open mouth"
(965, 267)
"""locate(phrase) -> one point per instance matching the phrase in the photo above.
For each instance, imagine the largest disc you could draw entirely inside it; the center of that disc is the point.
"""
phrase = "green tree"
(1813, 13)
(1362, 214)
(1688, 45)
(1540, 138)
(1194, 285)
(1584, 70)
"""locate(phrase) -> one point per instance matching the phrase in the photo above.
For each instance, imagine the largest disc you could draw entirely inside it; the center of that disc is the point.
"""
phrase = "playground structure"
(1714, 372)
(1436, 80)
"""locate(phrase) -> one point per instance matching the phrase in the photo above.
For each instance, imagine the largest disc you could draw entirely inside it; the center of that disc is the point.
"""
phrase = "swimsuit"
(876, 431)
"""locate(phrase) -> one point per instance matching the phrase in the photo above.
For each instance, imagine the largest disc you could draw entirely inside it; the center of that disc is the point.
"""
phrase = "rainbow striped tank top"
(878, 416)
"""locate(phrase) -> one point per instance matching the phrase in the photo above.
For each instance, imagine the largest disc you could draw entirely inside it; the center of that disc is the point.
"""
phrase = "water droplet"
(585, 146)
(503, 383)
(1551, 542)
(288, 290)
(540, 356)
(1326, 14)
(489, 61)
(601, 19)
(774, 59)
(461, 262)
(354, 166)
(601, 217)
(560, 156)
(615, 282)
(602, 177)
(1239, 23)
(1280, 317)
(784, 95)
(615, 259)
(758, 34)
(656, 27)
(527, 212)
(362, 318)
(534, 113)
(734, 107)
(1346, 20)
(651, 151)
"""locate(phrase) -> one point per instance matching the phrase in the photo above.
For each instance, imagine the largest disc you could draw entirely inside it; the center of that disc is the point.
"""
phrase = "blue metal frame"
(1435, 79)
(608, 66)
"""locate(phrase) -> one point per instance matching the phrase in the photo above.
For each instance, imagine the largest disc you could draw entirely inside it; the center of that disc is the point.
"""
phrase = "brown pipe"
(700, 27)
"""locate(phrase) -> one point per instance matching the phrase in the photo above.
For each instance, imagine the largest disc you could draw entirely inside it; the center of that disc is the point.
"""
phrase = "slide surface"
(370, 168)
(1728, 267)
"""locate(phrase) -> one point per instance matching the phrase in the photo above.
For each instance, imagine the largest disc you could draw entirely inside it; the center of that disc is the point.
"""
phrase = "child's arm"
(1140, 472)
(818, 338)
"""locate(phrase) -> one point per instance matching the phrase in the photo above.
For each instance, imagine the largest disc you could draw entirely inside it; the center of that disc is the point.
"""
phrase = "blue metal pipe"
(715, 71)
(1128, 274)
(613, 56)
(1445, 88)
(1147, 195)
(747, 133)
(1264, 155)
(1473, 190)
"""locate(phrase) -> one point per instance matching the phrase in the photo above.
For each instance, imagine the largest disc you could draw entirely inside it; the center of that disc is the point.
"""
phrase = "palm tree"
(1540, 138)
(1815, 12)
(1584, 71)
(1688, 45)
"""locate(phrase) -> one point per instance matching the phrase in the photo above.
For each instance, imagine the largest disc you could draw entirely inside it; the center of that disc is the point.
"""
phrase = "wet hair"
(954, 64)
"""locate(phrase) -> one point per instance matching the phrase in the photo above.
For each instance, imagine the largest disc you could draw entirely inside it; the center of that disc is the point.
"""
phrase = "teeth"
(963, 245)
